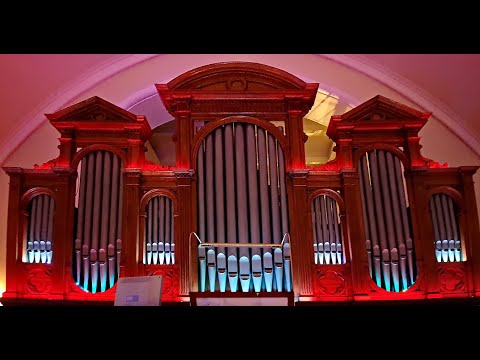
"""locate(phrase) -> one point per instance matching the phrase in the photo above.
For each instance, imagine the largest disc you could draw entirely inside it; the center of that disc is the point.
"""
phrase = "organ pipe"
(249, 195)
(98, 242)
(384, 208)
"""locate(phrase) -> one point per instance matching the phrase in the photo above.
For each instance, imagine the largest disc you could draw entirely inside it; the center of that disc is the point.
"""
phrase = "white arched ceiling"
(137, 74)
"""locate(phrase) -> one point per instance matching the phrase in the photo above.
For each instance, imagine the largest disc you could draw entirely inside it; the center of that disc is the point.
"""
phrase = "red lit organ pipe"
(160, 244)
(242, 200)
(327, 235)
(389, 243)
(40, 228)
(98, 240)
(448, 247)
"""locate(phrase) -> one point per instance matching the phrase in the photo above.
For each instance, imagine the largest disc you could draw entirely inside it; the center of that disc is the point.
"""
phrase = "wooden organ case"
(240, 212)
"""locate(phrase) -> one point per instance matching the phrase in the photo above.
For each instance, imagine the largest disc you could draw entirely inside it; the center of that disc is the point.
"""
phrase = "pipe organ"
(240, 210)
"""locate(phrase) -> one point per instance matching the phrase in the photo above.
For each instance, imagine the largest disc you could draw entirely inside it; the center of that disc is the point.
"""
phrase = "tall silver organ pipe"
(327, 231)
(446, 228)
(242, 200)
(159, 240)
(389, 243)
(40, 230)
(98, 241)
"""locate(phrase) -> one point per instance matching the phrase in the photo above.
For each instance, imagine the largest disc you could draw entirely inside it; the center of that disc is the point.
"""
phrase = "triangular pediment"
(381, 108)
(378, 114)
(94, 109)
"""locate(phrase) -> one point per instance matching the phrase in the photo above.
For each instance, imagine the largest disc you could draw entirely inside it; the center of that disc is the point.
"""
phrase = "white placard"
(242, 301)
(139, 291)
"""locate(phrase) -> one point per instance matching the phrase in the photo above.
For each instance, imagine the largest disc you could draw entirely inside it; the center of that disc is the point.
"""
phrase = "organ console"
(240, 212)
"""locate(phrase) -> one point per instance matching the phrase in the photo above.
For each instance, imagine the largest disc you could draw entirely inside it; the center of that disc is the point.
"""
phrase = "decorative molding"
(299, 173)
(237, 106)
(184, 173)
(151, 166)
(332, 165)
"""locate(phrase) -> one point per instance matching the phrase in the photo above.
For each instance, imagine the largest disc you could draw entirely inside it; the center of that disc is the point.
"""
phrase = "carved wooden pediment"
(94, 109)
(374, 115)
(236, 87)
(236, 76)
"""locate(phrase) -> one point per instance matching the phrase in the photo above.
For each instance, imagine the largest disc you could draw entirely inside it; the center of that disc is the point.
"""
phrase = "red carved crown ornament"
(151, 166)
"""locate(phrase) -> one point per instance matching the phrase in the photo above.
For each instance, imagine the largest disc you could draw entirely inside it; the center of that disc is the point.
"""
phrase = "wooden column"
(66, 147)
(302, 265)
(63, 237)
(423, 238)
(356, 232)
(131, 201)
(472, 231)
(184, 138)
(13, 253)
(296, 137)
(183, 227)
(135, 153)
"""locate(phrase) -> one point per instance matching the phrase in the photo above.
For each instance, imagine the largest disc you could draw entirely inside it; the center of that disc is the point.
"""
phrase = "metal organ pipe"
(231, 207)
(39, 230)
(265, 209)
(209, 158)
(161, 230)
(107, 187)
(327, 233)
(220, 212)
(201, 217)
(275, 211)
(242, 208)
(448, 228)
(380, 211)
(168, 241)
(249, 195)
(402, 198)
(455, 226)
(98, 240)
(385, 195)
(49, 239)
(159, 227)
(88, 218)
(252, 171)
(447, 242)
(386, 221)
(155, 230)
(318, 225)
(116, 193)
(400, 236)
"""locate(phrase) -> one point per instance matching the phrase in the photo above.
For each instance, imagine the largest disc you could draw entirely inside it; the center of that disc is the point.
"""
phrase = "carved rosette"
(452, 279)
(170, 281)
(330, 282)
(38, 279)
